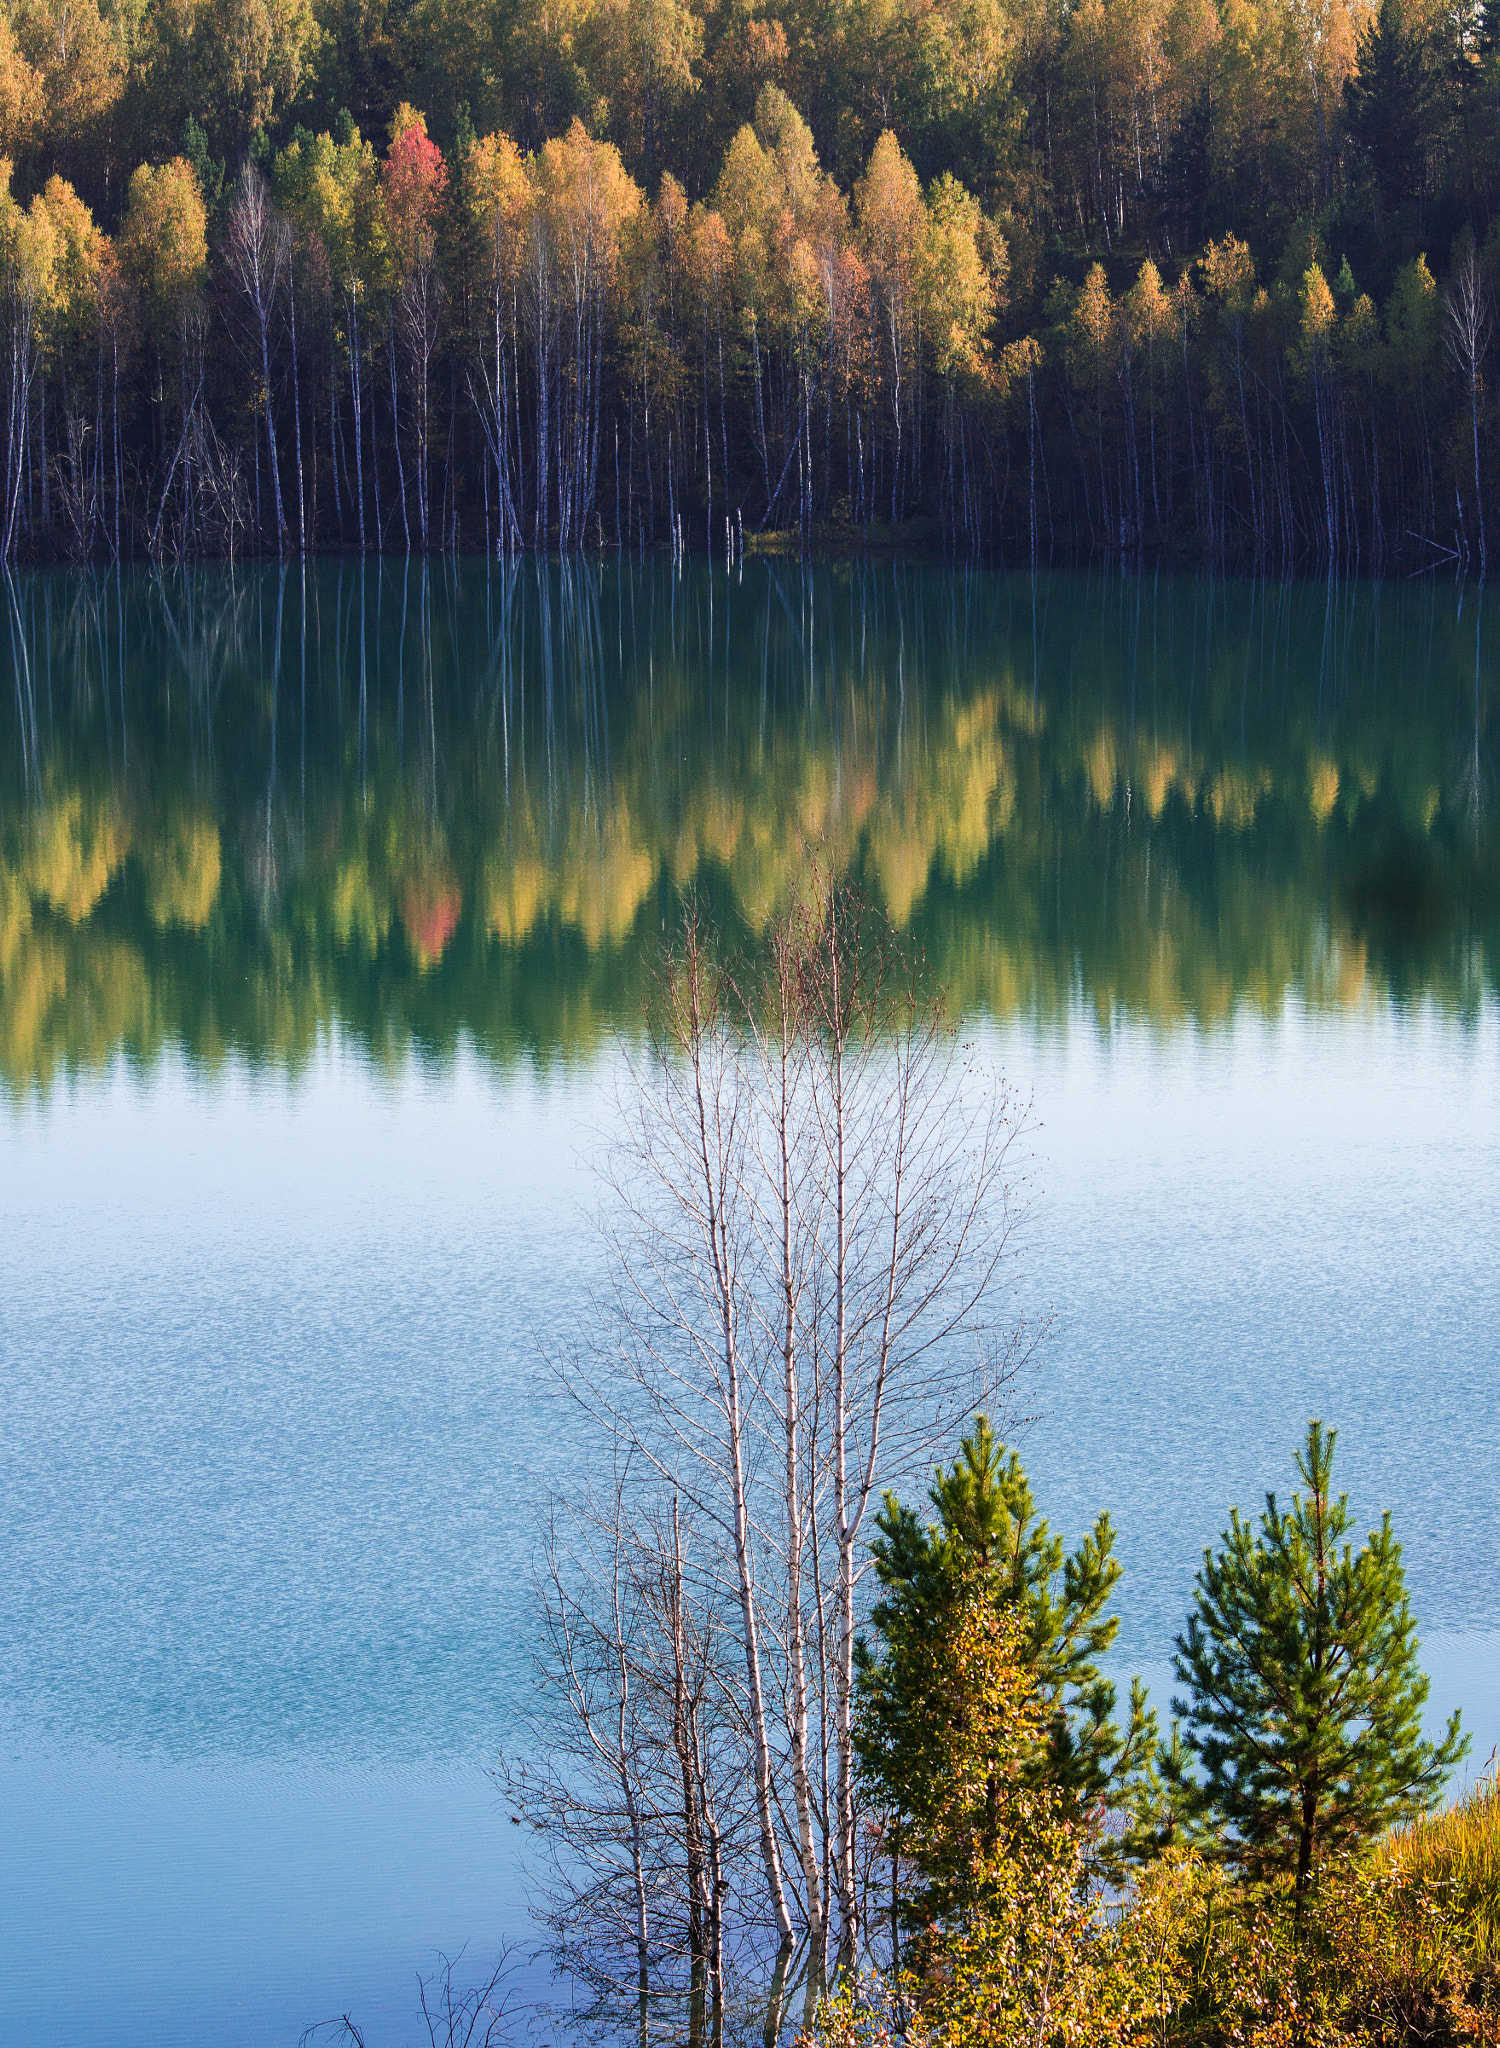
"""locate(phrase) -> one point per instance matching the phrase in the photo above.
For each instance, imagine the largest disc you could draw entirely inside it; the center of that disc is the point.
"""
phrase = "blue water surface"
(326, 906)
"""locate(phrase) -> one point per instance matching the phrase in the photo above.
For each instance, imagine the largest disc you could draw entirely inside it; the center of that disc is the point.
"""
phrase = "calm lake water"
(325, 904)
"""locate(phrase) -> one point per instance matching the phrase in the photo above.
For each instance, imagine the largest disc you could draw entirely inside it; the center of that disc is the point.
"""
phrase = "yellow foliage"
(21, 92)
(79, 55)
(182, 864)
(1319, 314)
(1148, 309)
(1456, 1856)
(80, 254)
(961, 271)
(586, 196)
(892, 218)
(1229, 272)
(333, 191)
(74, 851)
(1092, 328)
(1324, 791)
(163, 243)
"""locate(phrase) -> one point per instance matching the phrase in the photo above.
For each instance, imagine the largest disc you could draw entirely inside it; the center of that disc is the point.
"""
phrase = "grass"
(1455, 1856)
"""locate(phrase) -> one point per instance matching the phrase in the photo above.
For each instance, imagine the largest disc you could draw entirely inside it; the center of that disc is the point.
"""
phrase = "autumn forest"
(1126, 279)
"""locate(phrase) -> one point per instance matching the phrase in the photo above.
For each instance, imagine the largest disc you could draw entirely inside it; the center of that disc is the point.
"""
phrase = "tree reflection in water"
(241, 807)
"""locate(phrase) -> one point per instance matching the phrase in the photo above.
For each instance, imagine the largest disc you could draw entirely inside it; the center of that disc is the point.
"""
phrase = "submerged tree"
(1304, 1696)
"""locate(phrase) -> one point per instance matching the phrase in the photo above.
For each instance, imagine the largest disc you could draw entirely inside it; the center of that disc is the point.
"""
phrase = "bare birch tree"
(257, 252)
(812, 1208)
(1468, 338)
(635, 1778)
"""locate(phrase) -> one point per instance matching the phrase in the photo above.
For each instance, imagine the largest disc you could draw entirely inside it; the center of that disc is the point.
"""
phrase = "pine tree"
(1304, 1707)
(946, 1719)
(1389, 102)
(988, 1536)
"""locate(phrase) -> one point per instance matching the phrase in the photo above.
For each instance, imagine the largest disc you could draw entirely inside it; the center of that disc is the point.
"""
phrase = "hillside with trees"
(1125, 278)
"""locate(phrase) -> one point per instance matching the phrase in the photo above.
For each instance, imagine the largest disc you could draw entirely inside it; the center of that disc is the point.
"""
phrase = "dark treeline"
(1121, 275)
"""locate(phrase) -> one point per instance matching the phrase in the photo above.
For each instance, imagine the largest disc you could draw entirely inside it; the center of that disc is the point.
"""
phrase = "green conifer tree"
(1304, 1696)
(1389, 102)
(989, 1536)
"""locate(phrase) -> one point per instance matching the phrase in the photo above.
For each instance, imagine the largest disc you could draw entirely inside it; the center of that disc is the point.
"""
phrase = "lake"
(328, 900)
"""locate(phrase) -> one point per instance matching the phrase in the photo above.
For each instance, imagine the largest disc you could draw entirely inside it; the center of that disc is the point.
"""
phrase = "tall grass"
(1455, 1858)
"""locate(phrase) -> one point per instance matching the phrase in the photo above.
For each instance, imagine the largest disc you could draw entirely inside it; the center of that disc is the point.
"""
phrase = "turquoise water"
(320, 922)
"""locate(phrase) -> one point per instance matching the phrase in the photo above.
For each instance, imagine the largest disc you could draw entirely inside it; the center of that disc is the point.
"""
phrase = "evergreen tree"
(946, 1720)
(988, 1538)
(1389, 103)
(1305, 1698)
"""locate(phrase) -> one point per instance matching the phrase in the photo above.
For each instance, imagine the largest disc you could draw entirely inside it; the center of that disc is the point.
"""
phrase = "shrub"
(1390, 1950)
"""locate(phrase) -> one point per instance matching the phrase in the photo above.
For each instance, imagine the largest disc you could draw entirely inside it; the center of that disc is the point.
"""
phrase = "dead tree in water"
(481, 2016)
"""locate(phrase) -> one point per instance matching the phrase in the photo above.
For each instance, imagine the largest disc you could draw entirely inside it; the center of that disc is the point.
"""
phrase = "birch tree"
(1468, 331)
(257, 251)
(634, 1778)
(413, 181)
(810, 1235)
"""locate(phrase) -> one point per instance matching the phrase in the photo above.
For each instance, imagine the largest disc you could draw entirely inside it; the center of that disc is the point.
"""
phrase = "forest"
(1109, 278)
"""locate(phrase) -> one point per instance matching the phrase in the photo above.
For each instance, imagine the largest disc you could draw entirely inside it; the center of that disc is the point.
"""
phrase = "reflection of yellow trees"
(1048, 851)
(36, 989)
(15, 918)
(754, 817)
(516, 895)
(1158, 773)
(1101, 764)
(958, 798)
(1233, 795)
(70, 1002)
(181, 860)
(75, 847)
(1164, 961)
(69, 996)
(359, 923)
(592, 876)
(392, 867)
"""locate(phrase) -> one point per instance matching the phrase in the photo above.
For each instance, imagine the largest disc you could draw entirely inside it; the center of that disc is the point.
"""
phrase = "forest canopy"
(1114, 275)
